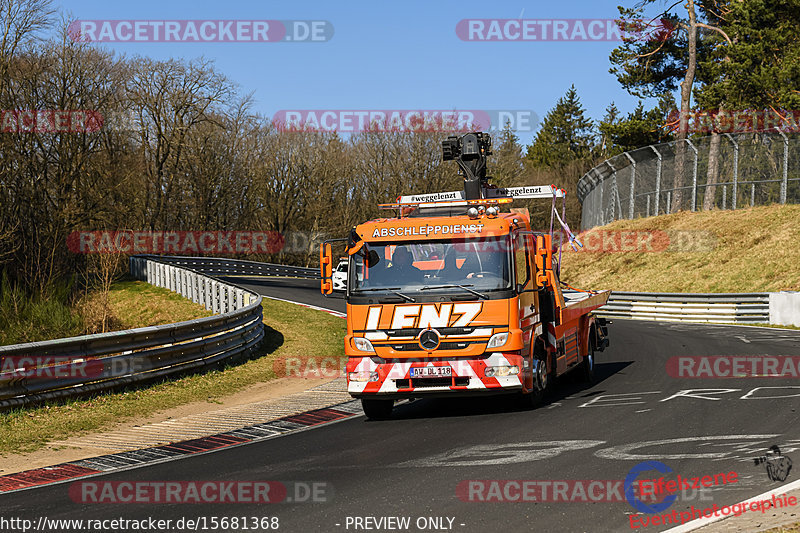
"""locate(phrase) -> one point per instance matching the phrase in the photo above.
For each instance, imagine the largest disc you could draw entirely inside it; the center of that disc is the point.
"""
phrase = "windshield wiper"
(393, 290)
(453, 286)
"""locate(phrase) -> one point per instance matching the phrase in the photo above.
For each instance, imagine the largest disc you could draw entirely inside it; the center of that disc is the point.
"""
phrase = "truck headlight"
(497, 340)
(363, 376)
(363, 345)
(501, 371)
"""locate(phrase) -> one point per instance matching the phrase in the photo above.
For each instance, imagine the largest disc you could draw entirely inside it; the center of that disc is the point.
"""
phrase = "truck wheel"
(541, 385)
(587, 366)
(377, 409)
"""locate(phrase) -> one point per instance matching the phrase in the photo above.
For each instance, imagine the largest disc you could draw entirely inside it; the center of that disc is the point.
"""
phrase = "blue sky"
(390, 55)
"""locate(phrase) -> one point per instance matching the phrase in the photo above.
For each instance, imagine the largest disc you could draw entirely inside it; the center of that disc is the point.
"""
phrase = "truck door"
(524, 282)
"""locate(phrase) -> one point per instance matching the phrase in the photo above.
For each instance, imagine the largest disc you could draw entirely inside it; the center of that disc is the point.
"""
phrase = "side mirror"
(326, 268)
(544, 259)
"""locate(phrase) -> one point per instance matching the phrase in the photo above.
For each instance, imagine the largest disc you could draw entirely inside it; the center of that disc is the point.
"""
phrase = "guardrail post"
(658, 178)
(694, 177)
(231, 298)
(601, 210)
(785, 181)
(724, 195)
(752, 195)
(735, 170)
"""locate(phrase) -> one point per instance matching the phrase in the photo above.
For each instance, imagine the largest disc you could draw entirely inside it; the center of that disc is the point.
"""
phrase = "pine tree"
(761, 67)
(506, 163)
(639, 128)
(606, 126)
(566, 134)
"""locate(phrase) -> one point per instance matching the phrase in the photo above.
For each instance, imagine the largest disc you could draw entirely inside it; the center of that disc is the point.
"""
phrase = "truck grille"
(414, 347)
(422, 383)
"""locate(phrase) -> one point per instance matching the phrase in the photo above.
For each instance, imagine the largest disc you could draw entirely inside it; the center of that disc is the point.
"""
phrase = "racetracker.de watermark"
(178, 492)
(50, 121)
(45, 367)
(734, 366)
(565, 490)
(642, 241)
(310, 367)
(404, 120)
(737, 121)
(200, 31)
(187, 242)
(549, 30)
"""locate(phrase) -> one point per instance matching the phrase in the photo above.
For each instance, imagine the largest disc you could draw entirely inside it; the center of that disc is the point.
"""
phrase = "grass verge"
(747, 250)
(26, 317)
(291, 331)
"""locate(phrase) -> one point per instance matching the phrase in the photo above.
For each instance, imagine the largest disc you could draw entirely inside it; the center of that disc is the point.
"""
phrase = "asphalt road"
(424, 462)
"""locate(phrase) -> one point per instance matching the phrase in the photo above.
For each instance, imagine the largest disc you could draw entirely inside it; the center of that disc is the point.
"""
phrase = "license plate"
(432, 372)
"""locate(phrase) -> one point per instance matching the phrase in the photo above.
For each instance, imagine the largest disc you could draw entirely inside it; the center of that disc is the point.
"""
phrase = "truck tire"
(541, 385)
(377, 409)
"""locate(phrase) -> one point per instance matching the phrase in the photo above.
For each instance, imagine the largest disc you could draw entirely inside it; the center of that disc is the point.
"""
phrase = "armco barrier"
(214, 266)
(747, 308)
(78, 365)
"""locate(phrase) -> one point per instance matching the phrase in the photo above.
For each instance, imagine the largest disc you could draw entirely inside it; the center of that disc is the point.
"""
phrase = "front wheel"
(377, 409)
(541, 384)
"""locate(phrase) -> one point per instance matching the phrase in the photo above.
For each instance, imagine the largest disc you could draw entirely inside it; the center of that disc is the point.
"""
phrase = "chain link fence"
(725, 171)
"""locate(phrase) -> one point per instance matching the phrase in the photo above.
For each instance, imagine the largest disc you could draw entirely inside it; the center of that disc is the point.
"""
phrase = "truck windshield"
(480, 264)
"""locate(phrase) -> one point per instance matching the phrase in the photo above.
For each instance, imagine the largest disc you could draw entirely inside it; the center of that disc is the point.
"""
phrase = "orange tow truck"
(457, 295)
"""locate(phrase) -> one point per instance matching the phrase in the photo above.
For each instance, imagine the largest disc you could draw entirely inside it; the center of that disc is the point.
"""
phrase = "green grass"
(291, 331)
(747, 250)
(28, 318)
(136, 304)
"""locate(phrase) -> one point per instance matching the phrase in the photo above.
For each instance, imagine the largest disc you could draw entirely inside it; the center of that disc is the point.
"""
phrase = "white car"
(339, 276)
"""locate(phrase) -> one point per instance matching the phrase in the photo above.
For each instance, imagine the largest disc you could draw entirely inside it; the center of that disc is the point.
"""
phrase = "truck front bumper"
(495, 374)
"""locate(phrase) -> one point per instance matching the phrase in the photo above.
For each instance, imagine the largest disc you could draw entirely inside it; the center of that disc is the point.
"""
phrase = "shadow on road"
(568, 385)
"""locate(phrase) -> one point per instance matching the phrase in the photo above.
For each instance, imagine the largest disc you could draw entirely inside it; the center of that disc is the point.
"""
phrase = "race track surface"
(434, 458)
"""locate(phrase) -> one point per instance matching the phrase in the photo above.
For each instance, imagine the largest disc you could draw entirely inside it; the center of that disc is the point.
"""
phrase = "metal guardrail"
(752, 308)
(39, 371)
(214, 266)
